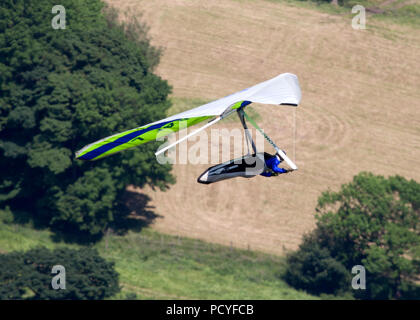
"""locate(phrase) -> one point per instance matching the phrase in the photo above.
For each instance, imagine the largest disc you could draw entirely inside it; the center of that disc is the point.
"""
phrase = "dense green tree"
(62, 89)
(375, 222)
(312, 268)
(28, 275)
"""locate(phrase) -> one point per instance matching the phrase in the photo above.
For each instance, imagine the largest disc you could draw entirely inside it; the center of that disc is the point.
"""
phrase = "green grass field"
(157, 266)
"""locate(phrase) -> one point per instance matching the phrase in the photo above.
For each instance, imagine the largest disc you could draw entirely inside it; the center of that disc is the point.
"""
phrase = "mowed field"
(359, 111)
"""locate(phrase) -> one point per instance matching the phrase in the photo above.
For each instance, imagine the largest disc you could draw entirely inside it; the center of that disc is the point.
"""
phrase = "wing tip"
(79, 156)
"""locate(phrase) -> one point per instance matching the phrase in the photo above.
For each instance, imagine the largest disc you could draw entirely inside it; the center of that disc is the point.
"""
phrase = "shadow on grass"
(135, 213)
(132, 214)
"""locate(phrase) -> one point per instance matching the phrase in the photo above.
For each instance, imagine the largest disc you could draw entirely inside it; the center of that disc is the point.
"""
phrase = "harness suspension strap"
(251, 121)
(247, 133)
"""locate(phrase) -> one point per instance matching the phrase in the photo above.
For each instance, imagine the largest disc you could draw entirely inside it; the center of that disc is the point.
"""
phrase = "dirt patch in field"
(359, 110)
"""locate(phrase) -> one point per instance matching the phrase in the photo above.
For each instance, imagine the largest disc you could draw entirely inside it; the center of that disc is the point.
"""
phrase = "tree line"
(61, 89)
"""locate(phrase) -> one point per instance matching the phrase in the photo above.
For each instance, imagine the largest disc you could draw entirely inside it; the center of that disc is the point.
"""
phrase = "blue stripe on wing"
(111, 145)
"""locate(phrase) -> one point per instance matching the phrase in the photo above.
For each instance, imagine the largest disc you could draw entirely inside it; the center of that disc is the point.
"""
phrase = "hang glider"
(281, 90)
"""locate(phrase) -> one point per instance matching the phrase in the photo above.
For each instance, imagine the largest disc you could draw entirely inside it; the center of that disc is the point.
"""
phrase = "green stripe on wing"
(135, 137)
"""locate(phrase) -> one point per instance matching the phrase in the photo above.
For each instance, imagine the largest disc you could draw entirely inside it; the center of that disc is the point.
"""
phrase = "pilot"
(272, 165)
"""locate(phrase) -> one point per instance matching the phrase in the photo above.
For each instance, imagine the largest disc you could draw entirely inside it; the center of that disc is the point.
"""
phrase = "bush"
(59, 91)
(6, 215)
(313, 269)
(28, 275)
(374, 222)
